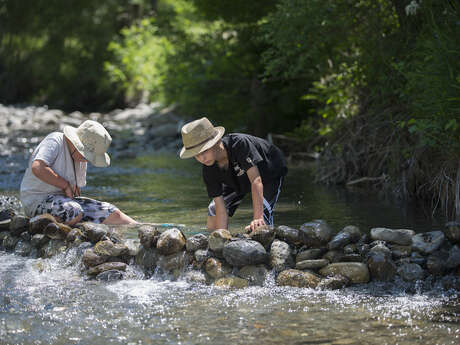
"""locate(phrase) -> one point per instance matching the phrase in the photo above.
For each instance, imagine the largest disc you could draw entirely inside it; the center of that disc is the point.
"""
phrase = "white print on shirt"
(238, 170)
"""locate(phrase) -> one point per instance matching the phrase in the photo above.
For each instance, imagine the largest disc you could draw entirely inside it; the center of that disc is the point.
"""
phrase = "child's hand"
(255, 224)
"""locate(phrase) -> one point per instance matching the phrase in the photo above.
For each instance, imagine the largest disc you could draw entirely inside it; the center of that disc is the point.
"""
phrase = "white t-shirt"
(54, 152)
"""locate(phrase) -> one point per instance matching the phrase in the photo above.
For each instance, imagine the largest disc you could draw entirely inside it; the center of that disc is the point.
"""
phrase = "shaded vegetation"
(373, 86)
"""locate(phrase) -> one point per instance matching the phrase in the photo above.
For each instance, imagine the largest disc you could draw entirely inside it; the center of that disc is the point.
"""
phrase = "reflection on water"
(49, 302)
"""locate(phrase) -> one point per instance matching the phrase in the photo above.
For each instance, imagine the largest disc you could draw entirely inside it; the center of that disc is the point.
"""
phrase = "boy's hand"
(255, 224)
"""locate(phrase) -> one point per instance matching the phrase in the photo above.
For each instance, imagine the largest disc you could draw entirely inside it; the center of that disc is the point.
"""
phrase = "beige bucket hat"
(92, 140)
(198, 136)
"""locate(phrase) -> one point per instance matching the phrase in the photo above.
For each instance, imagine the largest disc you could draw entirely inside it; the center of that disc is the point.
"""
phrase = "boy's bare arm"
(257, 190)
(47, 175)
(221, 213)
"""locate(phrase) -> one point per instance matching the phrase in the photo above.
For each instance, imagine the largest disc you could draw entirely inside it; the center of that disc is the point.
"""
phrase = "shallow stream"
(49, 302)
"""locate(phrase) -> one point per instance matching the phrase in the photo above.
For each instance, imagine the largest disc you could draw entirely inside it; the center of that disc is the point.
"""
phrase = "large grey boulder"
(402, 237)
(245, 252)
(428, 242)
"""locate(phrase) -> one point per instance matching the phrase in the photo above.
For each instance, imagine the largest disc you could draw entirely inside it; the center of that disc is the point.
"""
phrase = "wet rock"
(315, 234)
(133, 247)
(196, 277)
(109, 249)
(18, 225)
(147, 258)
(216, 269)
(94, 232)
(38, 223)
(311, 264)
(402, 237)
(232, 283)
(254, 274)
(355, 271)
(436, 263)
(401, 251)
(244, 252)
(453, 261)
(39, 240)
(287, 234)
(350, 249)
(411, 272)
(170, 242)
(195, 242)
(114, 235)
(264, 235)
(333, 283)
(417, 258)
(201, 255)
(73, 235)
(23, 248)
(3, 235)
(91, 259)
(119, 266)
(380, 264)
(333, 256)
(352, 258)
(176, 261)
(218, 239)
(148, 236)
(10, 241)
(452, 232)
(451, 283)
(298, 278)
(428, 242)
(52, 248)
(280, 256)
(56, 231)
(110, 275)
(349, 234)
(310, 254)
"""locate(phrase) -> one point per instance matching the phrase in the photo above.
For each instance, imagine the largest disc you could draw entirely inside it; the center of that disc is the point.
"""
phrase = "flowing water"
(48, 301)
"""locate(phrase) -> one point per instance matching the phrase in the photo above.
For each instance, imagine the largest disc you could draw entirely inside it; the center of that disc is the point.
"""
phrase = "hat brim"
(98, 160)
(189, 153)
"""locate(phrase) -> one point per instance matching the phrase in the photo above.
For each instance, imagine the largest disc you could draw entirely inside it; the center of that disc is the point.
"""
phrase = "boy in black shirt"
(233, 165)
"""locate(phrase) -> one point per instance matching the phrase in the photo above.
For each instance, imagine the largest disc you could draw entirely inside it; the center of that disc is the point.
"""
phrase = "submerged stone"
(176, 261)
(428, 242)
(147, 258)
(436, 263)
(452, 232)
(355, 271)
(401, 237)
(119, 266)
(298, 278)
(232, 283)
(411, 272)
(310, 254)
(52, 248)
(245, 252)
(216, 269)
(334, 283)
(254, 274)
(453, 261)
(349, 234)
(380, 263)
(10, 241)
(23, 248)
(110, 275)
(311, 264)
(38, 223)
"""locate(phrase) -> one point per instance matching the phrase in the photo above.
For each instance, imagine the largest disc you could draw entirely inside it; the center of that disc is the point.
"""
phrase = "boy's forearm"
(257, 190)
(221, 214)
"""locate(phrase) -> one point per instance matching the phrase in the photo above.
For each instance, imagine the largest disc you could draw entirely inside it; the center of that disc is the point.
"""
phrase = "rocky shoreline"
(312, 256)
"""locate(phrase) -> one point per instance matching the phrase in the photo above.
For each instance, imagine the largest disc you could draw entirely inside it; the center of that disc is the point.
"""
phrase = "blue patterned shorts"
(66, 208)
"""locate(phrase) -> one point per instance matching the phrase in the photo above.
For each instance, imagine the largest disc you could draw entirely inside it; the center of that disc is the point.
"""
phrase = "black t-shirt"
(244, 151)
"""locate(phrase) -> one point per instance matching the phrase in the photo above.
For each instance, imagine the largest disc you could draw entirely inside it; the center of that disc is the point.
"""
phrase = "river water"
(50, 302)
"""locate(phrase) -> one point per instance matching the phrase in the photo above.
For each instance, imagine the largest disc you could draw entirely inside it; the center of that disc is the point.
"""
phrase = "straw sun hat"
(198, 136)
(92, 140)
